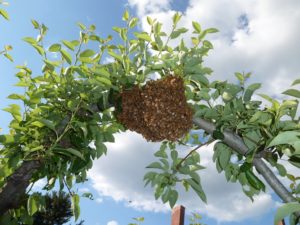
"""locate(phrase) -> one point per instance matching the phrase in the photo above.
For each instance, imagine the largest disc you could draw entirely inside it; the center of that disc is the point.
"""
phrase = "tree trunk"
(14, 189)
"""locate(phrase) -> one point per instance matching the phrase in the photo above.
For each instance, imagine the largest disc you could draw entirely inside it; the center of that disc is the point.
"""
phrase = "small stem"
(195, 149)
(67, 127)
(78, 51)
(69, 190)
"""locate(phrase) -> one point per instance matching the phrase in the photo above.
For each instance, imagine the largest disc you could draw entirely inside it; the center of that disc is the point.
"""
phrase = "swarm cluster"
(158, 111)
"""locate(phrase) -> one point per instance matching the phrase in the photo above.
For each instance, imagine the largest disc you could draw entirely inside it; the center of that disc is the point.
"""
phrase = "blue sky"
(257, 36)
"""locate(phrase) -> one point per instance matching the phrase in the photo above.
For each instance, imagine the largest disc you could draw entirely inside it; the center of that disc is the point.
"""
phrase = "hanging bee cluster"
(159, 110)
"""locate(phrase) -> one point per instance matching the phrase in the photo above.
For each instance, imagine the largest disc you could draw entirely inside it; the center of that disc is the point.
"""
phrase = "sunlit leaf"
(31, 205)
(75, 206)
(197, 27)
(68, 44)
(4, 14)
(66, 56)
(286, 210)
(292, 92)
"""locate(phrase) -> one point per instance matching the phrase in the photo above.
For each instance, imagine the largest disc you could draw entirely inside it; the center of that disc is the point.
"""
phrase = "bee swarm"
(158, 110)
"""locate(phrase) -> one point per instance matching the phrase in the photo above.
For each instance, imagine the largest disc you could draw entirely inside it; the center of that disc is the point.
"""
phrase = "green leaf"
(4, 14)
(69, 152)
(286, 137)
(240, 77)
(39, 49)
(200, 78)
(133, 22)
(143, 36)
(9, 57)
(75, 206)
(7, 139)
(82, 27)
(178, 32)
(69, 45)
(198, 189)
(66, 56)
(176, 18)
(14, 110)
(35, 24)
(55, 48)
(88, 195)
(292, 92)
(286, 210)
(211, 30)
(224, 157)
(250, 90)
(100, 147)
(140, 219)
(173, 196)
(296, 82)
(155, 165)
(87, 53)
(281, 169)
(149, 20)
(115, 56)
(30, 40)
(104, 80)
(16, 97)
(217, 134)
(254, 181)
(197, 27)
(47, 123)
(31, 206)
(8, 47)
(125, 15)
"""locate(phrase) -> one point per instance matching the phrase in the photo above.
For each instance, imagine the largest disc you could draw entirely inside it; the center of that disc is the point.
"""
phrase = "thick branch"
(238, 145)
(14, 190)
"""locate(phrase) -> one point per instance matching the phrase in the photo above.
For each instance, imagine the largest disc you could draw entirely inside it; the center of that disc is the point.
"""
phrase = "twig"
(69, 190)
(191, 152)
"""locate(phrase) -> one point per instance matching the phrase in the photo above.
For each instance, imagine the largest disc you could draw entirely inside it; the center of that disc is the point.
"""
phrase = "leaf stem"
(191, 152)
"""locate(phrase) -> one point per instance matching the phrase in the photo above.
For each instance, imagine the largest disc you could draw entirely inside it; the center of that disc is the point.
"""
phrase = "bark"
(238, 145)
(14, 190)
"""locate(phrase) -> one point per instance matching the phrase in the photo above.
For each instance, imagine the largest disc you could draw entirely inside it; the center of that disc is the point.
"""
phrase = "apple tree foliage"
(66, 115)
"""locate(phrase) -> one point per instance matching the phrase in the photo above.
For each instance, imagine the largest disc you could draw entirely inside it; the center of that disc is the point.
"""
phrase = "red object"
(178, 215)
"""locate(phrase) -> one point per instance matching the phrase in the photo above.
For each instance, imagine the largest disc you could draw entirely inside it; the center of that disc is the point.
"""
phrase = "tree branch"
(14, 190)
(193, 150)
(238, 145)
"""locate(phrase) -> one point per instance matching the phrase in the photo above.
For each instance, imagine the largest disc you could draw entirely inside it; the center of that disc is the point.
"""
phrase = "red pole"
(178, 215)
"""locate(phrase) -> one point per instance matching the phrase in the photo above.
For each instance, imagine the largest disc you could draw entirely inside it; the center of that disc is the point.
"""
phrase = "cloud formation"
(113, 222)
(255, 36)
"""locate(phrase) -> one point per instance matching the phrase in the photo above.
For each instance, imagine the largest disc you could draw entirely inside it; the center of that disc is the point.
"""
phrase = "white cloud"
(113, 222)
(38, 185)
(149, 6)
(84, 189)
(120, 174)
(268, 46)
(99, 200)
